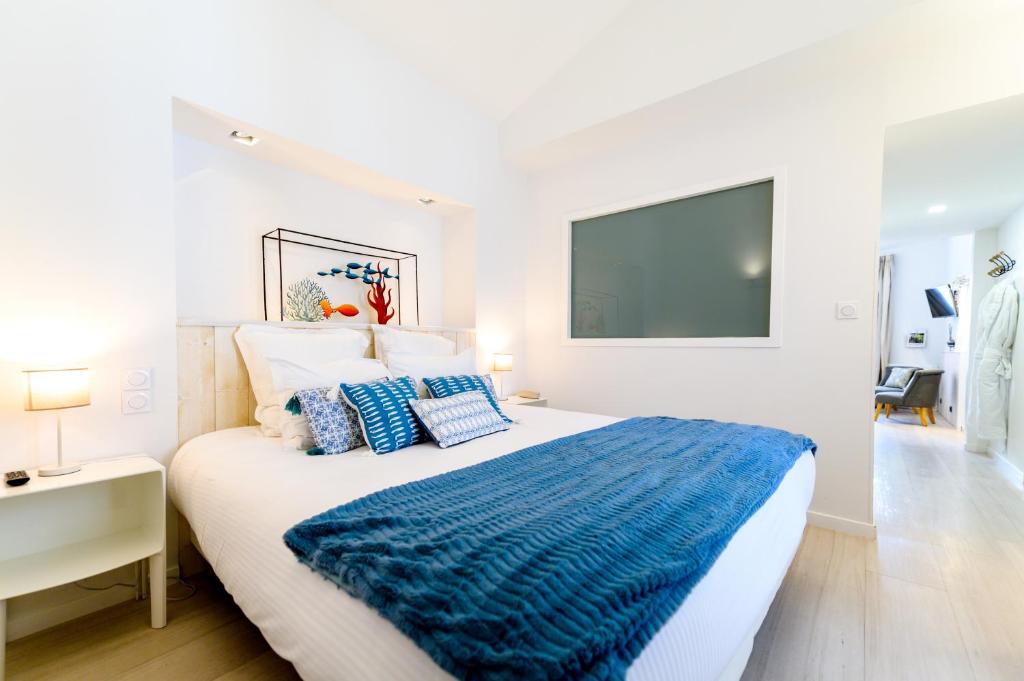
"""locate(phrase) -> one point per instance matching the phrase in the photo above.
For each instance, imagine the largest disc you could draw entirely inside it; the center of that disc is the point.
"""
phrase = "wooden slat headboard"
(213, 383)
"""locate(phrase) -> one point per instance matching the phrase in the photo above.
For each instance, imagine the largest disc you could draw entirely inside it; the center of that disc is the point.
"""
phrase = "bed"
(240, 492)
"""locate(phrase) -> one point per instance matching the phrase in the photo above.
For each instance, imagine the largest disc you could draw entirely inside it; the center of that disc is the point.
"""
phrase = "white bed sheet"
(241, 491)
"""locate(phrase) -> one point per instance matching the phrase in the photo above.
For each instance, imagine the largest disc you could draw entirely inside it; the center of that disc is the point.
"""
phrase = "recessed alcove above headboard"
(213, 383)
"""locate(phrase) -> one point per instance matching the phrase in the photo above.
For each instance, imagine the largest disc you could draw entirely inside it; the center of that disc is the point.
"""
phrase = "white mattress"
(241, 491)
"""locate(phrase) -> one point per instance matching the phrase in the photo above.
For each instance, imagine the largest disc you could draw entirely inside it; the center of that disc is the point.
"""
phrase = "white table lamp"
(502, 363)
(47, 389)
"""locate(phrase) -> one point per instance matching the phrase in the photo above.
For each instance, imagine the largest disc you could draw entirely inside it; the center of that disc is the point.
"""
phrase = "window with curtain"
(694, 268)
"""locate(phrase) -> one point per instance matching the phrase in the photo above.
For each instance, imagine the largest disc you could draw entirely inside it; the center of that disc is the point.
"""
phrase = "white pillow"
(299, 375)
(387, 340)
(291, 376)
(311, 347)
(431, 366)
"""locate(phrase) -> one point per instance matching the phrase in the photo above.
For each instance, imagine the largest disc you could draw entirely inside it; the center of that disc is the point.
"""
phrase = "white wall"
(822, 114)
(88, 262)
(87, 265)
(920, 265)
(224, 200)
(459, 268)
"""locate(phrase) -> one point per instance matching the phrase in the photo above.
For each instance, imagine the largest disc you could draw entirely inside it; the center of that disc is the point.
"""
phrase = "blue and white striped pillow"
(446, 386)
(459, 418)
(385, 416)
(334, 424)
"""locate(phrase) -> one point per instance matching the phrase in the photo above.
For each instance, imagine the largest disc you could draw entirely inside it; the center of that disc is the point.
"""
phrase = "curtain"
(884, 321)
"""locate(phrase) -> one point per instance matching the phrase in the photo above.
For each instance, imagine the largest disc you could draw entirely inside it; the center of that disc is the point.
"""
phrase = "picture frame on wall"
(313, 278)
(917, 339)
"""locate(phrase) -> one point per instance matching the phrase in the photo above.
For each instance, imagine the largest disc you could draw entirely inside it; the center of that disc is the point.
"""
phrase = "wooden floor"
(206, 638)
(939, 595)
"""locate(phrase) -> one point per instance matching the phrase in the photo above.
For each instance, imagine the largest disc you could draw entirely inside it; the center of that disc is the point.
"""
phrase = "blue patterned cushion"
(334, 424)
(446, 386)
(455, 419)
(385, 416)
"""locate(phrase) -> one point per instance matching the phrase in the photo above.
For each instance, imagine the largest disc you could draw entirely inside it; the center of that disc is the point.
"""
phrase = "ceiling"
(215, 128)
(970, 160)
(494, 54)
(498, 54)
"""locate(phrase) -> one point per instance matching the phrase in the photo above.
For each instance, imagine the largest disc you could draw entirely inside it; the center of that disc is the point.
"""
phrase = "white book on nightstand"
(109, 514)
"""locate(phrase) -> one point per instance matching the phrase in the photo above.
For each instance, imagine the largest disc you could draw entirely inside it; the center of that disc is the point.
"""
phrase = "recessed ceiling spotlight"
(936, 209)
(425, 200)
(243, 138)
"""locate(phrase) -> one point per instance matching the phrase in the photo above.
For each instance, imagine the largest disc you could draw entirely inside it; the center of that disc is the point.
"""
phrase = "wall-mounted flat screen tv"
(941, 301)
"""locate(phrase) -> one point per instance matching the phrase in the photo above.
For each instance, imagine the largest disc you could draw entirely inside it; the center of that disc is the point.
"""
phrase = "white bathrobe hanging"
(990, 380)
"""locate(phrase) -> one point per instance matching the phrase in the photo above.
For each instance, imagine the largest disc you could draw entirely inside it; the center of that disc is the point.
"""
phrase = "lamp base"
(49, 471)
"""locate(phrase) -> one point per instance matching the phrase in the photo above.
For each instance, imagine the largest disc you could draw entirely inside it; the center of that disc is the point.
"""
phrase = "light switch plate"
(136, 379)
(136, 402)
(847, 309)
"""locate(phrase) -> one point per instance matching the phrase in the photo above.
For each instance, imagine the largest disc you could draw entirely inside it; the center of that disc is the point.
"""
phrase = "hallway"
(940, 593)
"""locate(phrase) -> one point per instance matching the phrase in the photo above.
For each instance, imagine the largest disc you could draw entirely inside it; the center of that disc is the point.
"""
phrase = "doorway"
(949, 495)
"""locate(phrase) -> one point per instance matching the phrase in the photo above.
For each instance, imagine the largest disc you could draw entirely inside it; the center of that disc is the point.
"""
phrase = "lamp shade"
(502, 362)
(56, 389)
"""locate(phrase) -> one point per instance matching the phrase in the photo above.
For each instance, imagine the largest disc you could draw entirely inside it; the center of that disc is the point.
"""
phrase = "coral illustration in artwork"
(302, 304)
(379, 295)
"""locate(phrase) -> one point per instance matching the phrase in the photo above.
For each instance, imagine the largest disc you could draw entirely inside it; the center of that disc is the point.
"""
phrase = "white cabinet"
(69, 527)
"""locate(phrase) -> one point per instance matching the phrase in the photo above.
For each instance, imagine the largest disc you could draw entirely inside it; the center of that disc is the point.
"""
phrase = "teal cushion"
(446, 386)
(899, 377)
(385, 416)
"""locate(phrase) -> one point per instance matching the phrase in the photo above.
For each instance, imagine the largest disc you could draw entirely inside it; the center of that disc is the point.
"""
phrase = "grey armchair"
(882, 387)
(920, 394)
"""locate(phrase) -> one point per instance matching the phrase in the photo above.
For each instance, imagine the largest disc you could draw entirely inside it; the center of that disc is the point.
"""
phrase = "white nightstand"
(526, 401)
(60, 529)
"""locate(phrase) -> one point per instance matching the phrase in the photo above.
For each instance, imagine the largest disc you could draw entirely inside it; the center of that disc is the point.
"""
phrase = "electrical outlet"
(847, 309)
(136, 402)
(136, 379)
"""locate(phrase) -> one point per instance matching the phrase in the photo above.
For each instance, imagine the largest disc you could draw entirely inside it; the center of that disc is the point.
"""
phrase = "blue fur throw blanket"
(558, 561)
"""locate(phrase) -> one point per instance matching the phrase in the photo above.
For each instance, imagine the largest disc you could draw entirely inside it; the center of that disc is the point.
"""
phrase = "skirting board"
(1009, 470)
(844, 525)
(996, 450)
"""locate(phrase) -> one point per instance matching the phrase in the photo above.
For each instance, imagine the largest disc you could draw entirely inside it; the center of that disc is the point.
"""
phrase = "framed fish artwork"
(313, 278)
